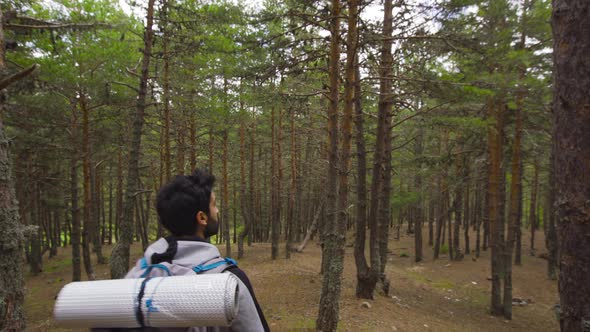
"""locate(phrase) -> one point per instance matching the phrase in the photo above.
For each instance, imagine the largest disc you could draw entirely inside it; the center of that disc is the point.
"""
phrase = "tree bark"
(571, 41)
(12, 315)
(418, 207)
(119, 262)
(12, 295)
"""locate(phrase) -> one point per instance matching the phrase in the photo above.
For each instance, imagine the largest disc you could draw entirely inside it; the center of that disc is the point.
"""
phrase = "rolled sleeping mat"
(176, 301)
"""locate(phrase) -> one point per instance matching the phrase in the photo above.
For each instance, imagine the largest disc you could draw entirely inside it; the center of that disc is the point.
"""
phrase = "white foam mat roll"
(177, 301)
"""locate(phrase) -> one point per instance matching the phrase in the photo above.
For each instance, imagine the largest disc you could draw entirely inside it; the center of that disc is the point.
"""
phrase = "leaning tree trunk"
(571, 102)
(119, 262)
(332, 260)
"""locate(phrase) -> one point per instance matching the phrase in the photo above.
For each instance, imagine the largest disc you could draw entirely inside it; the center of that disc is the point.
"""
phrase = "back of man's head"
(179, 201)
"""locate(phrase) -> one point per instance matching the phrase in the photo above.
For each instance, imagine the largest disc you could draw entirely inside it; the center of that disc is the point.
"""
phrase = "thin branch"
(127, 85)
(50, 26)
(18, 76)
(404, 144)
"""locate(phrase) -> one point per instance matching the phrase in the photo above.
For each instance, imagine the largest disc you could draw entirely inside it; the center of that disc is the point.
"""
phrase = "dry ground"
(429, 296)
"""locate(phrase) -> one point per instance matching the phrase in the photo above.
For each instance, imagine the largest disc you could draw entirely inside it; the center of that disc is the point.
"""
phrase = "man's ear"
(202, 218)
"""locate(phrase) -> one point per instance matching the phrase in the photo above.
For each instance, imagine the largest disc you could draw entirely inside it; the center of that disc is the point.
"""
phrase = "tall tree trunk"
(467, 206)
(35, 260)
(384, 205)
(495, 138)
(119, 213)
(119, 262)
(533, 219)
(180, 141)
(12, 315)
(274, 199)
(291, 228)
(431, 217)
(331, 263)
(551, 238)
(364, 286)
(418, 207)
(515, 185)
(254, 213)
(96, 205)
(110, 236)
(571, 40)
(457, 255)
(193, 141)
(88, 227)
(443, 193)
(479, 206)
(518, 230)
(166, 158)
(75, 211)
(211, 145)
(225, 210)
(243, 196)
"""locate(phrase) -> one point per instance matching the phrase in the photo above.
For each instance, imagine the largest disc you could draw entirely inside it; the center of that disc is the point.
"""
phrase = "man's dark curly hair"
(179, 201)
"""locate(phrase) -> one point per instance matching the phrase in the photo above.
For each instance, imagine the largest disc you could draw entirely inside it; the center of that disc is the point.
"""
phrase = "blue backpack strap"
(228, 262)
(148, 268)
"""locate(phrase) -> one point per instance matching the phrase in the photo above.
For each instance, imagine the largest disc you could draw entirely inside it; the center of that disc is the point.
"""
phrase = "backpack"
(215, 265)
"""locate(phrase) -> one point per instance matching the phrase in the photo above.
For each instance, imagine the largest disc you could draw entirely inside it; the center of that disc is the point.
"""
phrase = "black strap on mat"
(138, 313)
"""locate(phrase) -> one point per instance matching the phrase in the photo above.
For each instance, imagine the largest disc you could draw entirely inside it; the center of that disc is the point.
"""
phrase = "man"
(187, 209)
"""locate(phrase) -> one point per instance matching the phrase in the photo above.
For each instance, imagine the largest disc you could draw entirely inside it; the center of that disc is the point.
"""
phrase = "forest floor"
(428, 296)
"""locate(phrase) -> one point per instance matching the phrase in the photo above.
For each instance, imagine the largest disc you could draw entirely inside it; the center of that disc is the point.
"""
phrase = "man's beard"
(212, 227)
